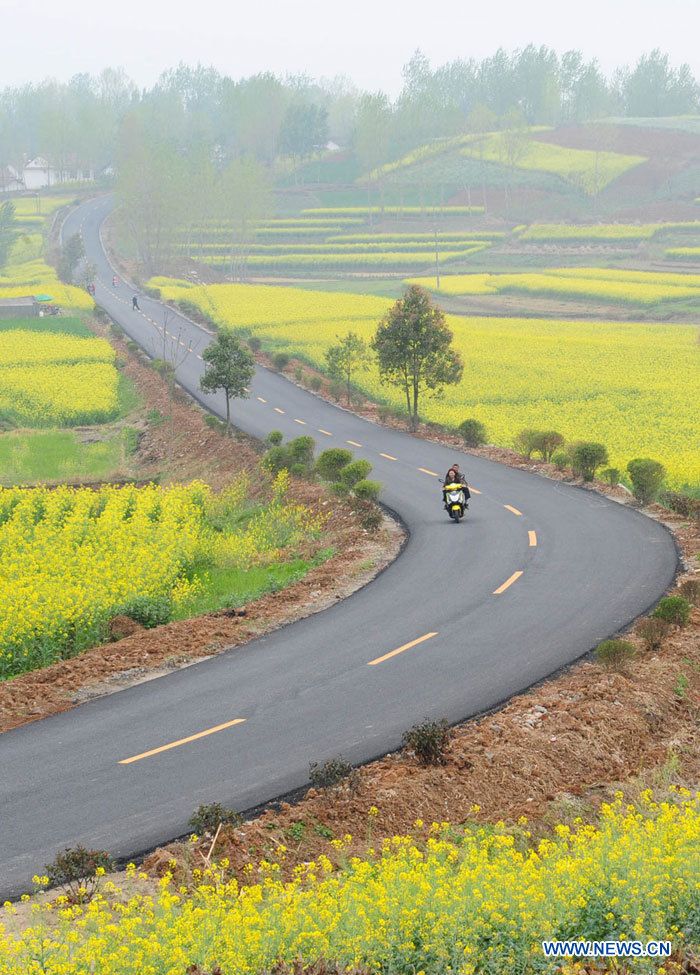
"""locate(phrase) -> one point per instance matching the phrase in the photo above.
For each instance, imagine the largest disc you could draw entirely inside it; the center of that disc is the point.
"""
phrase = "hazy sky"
(366, 39)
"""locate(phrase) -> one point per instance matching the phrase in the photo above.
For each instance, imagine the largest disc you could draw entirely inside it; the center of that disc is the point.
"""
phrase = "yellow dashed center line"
(182, 741)
(387, 456)
(325, 432)
(261, 399)
(508, 583)
(509, 507)
(426, 471)
(473, 490)
(277, 409)
(533, 538)
(406, 646)
(302, 422)
(353, 443)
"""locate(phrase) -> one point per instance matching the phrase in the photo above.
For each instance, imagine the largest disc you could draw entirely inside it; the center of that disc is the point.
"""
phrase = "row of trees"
(78, 125)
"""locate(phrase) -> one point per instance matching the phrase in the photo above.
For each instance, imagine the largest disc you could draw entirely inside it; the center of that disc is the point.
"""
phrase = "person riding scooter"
(455, 493)
(455, 476)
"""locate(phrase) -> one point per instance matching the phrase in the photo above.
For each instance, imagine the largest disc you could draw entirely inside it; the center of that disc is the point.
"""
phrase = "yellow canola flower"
(71, 557)
(625, 384)
(473, 902)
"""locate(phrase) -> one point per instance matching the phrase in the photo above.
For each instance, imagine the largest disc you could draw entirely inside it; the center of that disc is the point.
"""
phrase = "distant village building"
(39, 174)
(19, 307)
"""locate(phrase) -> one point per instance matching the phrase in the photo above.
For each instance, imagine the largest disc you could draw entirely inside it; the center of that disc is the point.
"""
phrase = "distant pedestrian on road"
(115, 280)
(135, 303)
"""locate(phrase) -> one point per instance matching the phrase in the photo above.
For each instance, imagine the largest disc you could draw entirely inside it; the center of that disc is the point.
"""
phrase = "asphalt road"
(537, 574)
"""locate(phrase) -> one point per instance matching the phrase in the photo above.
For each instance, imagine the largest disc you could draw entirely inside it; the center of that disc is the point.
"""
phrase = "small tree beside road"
(349, 356)
(414, 349)
(229, 368)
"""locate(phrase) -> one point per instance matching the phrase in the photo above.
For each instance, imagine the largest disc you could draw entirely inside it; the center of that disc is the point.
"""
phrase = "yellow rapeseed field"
(625, 384)
(35, 277)
(71, 557)
(599, 284)
(56, 379)
(444, 900)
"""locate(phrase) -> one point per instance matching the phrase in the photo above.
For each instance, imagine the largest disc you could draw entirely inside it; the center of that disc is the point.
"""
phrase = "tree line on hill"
(80, 125)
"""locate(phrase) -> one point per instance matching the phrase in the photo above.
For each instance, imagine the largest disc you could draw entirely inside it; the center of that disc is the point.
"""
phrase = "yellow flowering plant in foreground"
(627, 385)
(479, 899)
(71, 557)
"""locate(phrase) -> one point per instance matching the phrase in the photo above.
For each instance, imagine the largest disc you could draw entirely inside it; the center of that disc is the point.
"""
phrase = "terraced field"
(625, 384)
(586, 170)
(641, 288)
(328, 239)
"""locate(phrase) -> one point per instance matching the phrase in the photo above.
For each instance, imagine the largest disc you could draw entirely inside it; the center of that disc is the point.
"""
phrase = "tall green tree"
(244, 198)
(349, 356)
(229, 368)
(414, 349)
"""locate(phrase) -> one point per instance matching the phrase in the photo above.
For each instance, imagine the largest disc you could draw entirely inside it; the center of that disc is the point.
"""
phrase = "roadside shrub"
(367, 490)
(315, 382)
(429, 740)
(356, 470)
(76, 869)
(560, 459)
(254, 343)
(652, 632)
(525, 442)
(152, 292)
(329, 773)
(682, 504)
(149, 611)
(280, 361)
(586, 457)
(298, 374)
(545, 442)
(473, 432)
(299, 470)
(301, 450)
(614, 654)
(209, 815)
(276, 459)
(102, 315)
(673, 609)
(647, 476)
(331, 462)
(690, 590)
(214, 422)
(611, 476)
(342, 490)
(274, 438)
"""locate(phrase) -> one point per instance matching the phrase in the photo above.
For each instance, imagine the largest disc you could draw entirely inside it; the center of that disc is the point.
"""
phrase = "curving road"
(537, 575)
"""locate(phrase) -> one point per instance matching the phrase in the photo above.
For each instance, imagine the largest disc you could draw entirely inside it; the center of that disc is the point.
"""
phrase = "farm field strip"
(616, 232)
(401, 259)
(623, 287)
(393, 211)
(627, 385)
(367, 247)
(586, 169)
(36, 277)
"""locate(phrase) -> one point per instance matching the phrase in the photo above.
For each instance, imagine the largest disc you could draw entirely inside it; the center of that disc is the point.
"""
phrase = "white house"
(38, 174)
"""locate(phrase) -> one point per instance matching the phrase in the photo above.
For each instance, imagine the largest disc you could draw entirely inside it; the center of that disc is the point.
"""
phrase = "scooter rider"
(455, 476)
